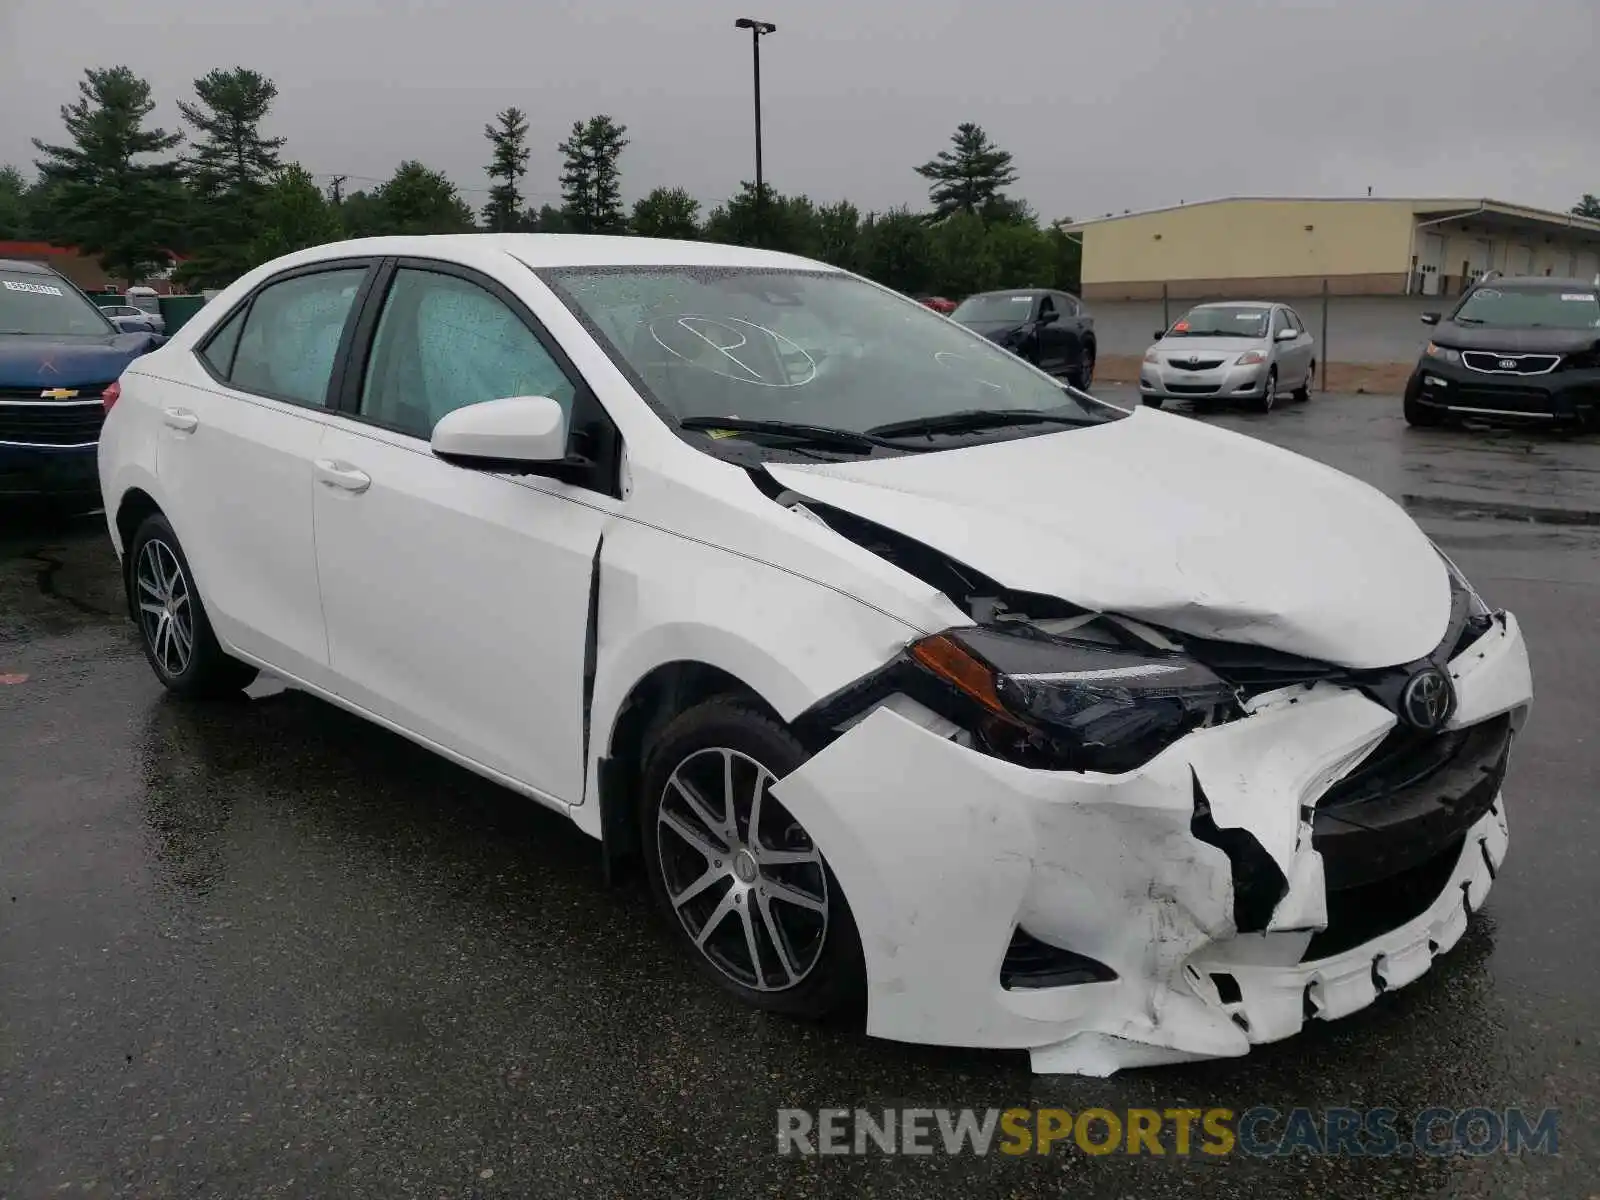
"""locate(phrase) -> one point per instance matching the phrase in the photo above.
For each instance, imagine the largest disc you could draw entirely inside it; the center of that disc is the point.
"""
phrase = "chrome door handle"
(180, 419)
(342, 475)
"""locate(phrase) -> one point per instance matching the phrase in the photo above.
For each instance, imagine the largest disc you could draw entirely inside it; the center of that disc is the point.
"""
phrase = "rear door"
(457, 600)
(235, 455)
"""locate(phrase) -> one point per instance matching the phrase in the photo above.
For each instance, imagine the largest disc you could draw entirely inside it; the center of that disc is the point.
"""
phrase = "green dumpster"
(177, 310)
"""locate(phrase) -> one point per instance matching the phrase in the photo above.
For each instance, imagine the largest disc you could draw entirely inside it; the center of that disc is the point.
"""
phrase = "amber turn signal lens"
(957, 666)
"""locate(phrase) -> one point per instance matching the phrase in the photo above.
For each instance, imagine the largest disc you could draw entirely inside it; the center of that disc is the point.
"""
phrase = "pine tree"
(1589, 207)
(971, 178)
(591, 188)
(108, 199)
(228, 170)
(508, 163)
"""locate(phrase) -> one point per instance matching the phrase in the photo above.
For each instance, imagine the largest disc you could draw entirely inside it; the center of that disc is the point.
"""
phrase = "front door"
(457, 600)
(235, 462)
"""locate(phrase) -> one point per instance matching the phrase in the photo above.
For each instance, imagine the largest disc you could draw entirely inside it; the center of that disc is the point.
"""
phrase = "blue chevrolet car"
(59, 357)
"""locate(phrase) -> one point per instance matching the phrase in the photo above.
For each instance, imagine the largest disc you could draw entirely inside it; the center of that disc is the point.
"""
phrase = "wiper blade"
(817, 435)
(1467, 320)
(976, 418)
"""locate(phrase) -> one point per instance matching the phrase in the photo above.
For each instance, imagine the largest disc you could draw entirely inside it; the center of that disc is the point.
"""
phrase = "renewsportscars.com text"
(1257, 1132)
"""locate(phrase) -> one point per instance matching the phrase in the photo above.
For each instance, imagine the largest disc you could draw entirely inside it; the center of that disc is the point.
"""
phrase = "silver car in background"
(1240, 351)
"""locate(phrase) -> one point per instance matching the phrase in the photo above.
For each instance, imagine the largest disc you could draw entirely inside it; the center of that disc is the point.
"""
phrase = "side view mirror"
(1288, 335)
(1430, 318)
(514, 433)
(1049, 318)
(1160, 333)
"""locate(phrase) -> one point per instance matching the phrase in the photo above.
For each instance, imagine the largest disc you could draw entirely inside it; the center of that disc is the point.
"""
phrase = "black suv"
(1524, 348)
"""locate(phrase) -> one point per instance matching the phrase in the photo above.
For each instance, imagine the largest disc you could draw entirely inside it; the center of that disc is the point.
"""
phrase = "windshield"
(811, 347)
(1577, 308)
(1222, 320)
(996, 306)
(47, 306)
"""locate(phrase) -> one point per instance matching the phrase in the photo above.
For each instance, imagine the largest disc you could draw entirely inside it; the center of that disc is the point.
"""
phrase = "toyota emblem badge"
(1427, 700)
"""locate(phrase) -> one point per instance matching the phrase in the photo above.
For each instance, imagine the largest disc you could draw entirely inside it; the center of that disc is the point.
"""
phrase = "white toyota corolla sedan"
(914, 678)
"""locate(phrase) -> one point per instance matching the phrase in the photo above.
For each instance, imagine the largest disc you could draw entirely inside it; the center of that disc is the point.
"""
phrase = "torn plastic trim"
(1259, 884)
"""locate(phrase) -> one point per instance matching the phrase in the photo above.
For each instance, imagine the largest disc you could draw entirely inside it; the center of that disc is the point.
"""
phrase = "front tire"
(1084, 376)
(1269, 393)
(747, 891)
(1154, 401)
(1303, 392)
(173, 626)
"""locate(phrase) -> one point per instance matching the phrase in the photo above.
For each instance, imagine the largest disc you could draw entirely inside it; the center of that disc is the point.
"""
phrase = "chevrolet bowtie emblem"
(58, 394)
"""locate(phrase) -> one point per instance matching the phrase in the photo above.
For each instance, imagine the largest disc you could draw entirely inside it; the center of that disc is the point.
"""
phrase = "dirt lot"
(1355, 378)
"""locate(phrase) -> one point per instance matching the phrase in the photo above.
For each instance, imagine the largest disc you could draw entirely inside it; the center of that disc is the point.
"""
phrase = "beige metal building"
(1258, 246)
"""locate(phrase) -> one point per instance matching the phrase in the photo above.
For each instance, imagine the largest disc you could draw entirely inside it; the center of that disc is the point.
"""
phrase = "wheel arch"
(656, 698)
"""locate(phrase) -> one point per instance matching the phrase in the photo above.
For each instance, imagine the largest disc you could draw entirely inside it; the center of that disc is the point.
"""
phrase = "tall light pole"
(757, 29)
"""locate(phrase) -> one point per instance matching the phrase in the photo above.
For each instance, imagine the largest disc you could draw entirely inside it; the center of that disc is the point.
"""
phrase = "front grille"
(35, 394)
(1194, 389)
(1412, 797)
(1510, 364)
(51, 422)
(1204, 364)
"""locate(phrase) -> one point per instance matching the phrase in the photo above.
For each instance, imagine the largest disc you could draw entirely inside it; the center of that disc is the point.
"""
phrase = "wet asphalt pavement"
(262, 949)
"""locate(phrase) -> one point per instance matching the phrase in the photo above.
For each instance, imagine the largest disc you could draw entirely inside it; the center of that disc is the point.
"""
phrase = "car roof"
(554, 250)
(22, 264)
(1240, 304)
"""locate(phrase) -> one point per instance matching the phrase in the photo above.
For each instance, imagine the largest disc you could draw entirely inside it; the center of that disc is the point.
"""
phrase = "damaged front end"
(1116, 845)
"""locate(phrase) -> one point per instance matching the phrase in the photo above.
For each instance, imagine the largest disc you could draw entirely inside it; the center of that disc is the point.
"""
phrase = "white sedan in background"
(1248, 352)
(912, 676)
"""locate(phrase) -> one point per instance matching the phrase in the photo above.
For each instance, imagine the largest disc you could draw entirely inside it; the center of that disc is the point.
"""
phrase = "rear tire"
(758, 910)
(173, 627)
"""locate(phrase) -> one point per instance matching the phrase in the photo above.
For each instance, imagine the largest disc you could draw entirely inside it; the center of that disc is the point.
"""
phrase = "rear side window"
(291, 334)
(219, 349)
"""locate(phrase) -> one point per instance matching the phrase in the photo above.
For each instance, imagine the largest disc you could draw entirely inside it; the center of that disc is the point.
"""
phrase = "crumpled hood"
(1164, 519)
(46, 362)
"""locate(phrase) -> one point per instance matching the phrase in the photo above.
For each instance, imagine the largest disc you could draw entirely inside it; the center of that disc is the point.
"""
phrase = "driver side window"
(443, 343)
(1279, 321)
(1047, 306)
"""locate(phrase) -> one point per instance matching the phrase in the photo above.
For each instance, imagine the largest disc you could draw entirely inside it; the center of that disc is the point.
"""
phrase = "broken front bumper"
(946, 854)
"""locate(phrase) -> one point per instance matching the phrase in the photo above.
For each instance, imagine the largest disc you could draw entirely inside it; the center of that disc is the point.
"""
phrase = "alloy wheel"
(1269, 393)
(166, 610)
(745, 880)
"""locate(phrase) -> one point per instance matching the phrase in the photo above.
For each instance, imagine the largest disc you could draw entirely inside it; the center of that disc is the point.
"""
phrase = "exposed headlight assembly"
(1443, 353)
(1074, 702)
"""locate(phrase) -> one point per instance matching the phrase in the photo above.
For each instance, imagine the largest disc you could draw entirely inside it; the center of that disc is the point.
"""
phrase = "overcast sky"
(1106, 104)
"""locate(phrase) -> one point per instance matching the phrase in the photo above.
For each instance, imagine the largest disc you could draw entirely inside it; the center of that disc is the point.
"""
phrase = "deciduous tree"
(667, 213)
